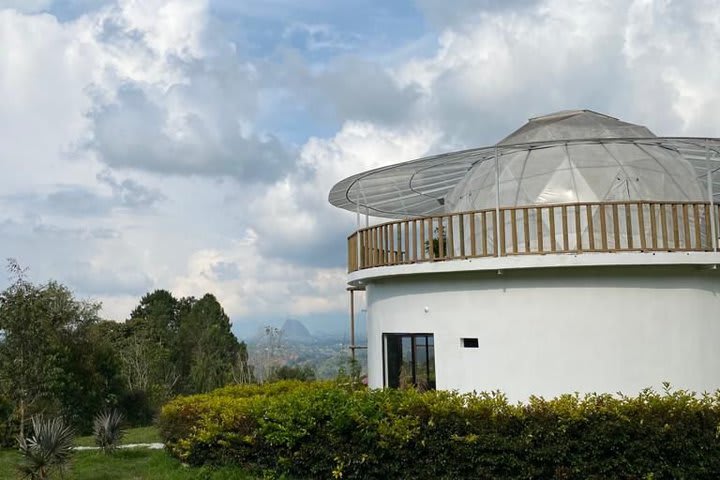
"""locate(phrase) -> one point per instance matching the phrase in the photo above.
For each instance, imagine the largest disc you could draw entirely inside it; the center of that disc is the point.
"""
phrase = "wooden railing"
(539, 229)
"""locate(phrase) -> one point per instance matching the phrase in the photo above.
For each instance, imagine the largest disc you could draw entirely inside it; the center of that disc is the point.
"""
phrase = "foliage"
(171, 346)
(210, 348)
(108, 431)
(432, 247)
(288, 372)
(150, 346)
(8, 427)
(58, 358)
(322, 429)
(350, 374)
(47, 450)
(137, 407)
(48, 360)
(268, 353)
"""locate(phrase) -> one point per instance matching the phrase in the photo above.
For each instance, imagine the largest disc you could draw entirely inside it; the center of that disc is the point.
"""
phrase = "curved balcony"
(637, 226)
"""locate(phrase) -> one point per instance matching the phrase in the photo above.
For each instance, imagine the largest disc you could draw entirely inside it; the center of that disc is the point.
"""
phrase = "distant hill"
(294, 330)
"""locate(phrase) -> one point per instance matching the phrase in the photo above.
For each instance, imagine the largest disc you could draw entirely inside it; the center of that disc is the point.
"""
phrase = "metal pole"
(713, 226)
(367, 207)
(497, 202)
(352, 323)
(357, 234)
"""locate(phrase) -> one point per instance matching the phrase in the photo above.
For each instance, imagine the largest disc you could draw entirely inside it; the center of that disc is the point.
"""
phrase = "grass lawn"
(133, 435)
(130, 464)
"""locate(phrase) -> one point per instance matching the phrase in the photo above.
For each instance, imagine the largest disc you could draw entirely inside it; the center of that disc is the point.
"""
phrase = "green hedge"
(325, 430)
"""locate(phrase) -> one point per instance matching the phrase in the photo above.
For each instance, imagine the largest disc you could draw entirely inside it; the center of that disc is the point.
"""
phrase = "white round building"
(579, 254)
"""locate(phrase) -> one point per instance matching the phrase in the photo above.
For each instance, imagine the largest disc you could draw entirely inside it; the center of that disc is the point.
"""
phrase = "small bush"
(324, 430)
(47, 450)
(108, 431)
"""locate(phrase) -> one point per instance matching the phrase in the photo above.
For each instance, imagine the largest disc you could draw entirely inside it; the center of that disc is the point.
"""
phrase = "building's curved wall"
(552, 331)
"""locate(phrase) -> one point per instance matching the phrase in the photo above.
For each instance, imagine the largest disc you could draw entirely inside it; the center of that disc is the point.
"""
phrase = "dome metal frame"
(418, 188)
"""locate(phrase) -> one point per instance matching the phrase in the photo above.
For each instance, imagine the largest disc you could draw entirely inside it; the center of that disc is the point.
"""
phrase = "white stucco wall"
(557, 330)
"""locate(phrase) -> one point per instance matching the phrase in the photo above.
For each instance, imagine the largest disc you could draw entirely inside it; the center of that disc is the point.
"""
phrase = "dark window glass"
(431, 364)
(421, 364)
(393, 360)
(470, 342)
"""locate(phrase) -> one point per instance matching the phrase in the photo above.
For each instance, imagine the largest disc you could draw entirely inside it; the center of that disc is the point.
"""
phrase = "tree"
(156, 318)
(242, 371)
(149, 347)
(210, 349)
(288, 372)
(91, 377)
(268, 352)
(39, 327)
(172, 346)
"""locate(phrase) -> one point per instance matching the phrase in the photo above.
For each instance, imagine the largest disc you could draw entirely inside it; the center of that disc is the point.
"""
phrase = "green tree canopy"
(48, 357)
(211, 349)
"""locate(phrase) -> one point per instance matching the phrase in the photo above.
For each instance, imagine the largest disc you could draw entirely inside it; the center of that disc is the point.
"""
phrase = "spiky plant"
(108, 431)
(47, 450)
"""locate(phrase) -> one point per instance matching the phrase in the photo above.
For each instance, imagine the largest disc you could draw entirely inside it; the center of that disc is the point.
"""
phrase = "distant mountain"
(294, 330)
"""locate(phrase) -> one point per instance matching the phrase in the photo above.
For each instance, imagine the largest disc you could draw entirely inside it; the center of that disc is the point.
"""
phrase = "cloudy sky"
(191, 144)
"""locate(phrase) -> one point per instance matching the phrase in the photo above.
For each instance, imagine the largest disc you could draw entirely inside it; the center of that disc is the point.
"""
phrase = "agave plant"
(108, 431)
(47, 450)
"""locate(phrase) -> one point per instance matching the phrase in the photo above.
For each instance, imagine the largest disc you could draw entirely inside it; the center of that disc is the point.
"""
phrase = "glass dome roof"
(565, 157)
(588, 171)
(574, 125)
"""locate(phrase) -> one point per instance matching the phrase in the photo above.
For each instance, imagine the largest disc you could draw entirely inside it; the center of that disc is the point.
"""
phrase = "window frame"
(413, 346)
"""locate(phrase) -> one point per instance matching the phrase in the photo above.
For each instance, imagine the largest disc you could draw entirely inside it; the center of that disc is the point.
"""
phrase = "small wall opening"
(469, 342)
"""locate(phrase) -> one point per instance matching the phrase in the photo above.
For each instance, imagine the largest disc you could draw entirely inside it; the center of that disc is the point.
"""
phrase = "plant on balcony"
(433, 245)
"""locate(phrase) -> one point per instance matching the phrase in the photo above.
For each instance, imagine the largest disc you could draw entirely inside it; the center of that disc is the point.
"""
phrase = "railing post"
(713, 226)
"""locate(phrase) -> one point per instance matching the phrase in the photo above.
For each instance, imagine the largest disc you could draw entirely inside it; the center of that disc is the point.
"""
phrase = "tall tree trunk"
(22, 419)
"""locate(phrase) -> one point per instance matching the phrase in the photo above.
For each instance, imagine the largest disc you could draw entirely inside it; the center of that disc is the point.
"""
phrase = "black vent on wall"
(470, 343)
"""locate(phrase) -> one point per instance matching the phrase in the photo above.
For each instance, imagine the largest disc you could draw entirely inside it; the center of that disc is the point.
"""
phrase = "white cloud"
(293, 217)
(260, 285)
(139, 122)
(44, 68)
(647, 61)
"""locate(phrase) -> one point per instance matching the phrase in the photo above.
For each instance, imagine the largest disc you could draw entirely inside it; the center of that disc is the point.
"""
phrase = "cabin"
(578, 254)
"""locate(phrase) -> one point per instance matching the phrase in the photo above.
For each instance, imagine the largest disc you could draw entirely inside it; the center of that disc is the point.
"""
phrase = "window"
(470, 343)
(409, 360)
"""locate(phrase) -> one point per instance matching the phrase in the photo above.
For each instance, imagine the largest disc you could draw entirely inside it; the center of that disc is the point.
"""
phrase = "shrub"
(108, 431)
(323, 429)
(47, 450)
